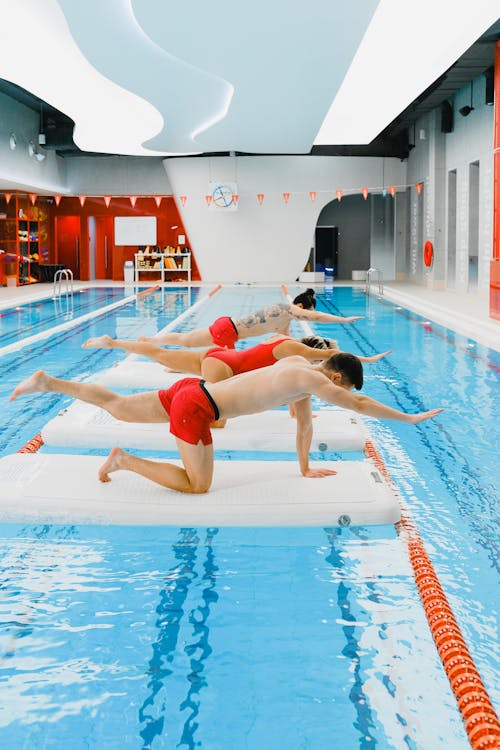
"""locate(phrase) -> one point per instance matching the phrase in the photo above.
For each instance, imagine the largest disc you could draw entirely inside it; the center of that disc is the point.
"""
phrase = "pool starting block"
(64, 489)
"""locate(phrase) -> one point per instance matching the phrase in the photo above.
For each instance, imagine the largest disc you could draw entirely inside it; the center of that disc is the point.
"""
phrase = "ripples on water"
(247, 638)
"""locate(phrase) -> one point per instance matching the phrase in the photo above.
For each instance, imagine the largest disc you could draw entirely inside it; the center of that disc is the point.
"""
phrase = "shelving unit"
(19, 239)
(163, 264)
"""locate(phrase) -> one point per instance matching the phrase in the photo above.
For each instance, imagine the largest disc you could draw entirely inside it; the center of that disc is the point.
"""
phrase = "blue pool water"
(259, 638)
(32, 318)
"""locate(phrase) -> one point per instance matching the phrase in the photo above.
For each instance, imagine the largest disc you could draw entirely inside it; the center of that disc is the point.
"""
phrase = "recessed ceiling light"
(12, 141)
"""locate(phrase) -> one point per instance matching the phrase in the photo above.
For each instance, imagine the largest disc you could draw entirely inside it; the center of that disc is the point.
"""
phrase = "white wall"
(268, 242)
(117, 175)
(430, 162)
(18, 170)
(472, 140)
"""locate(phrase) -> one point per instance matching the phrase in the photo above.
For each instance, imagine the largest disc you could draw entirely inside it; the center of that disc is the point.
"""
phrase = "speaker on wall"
(446, 117)
(489, 89)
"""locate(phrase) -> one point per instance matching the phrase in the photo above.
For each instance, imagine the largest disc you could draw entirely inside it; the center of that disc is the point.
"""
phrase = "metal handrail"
(380, 280)
(63, 274)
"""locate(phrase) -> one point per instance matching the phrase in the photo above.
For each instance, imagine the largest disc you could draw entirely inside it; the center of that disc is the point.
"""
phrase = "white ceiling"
(160, 77)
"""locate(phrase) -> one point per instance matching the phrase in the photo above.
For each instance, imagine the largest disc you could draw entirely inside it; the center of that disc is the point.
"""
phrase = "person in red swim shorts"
(192, 405)
(272, 319)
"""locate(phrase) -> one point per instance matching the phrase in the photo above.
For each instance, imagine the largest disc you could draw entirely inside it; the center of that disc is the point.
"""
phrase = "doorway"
(327, 250)
(451, 270)
(473, 225)
(101, 246)
(68, 240)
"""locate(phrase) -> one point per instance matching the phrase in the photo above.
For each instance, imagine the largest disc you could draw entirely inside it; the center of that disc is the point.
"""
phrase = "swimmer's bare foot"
(114, 462)
(99, 342)
(38, 382)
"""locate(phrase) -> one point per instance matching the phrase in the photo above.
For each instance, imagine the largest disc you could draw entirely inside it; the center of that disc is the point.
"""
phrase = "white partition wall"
(268, 241)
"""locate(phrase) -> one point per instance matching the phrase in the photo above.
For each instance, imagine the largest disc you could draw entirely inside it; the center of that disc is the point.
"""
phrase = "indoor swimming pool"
(255, 638)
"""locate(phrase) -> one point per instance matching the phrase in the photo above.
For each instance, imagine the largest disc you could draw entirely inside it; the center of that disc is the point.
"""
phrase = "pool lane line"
(307, 328)
(414, 318)
(175, 322)
(481, 721)
(64, 326)
(148, 291)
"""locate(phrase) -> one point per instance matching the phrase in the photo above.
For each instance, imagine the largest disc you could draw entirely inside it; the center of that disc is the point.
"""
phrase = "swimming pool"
(259, 638)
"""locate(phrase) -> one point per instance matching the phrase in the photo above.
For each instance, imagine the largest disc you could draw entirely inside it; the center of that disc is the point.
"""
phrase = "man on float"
(191, 406)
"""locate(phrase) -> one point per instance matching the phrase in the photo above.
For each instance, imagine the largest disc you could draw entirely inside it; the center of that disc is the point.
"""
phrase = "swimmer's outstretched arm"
(174, 359)
(320, 317)
(362, 404)
(313, 355)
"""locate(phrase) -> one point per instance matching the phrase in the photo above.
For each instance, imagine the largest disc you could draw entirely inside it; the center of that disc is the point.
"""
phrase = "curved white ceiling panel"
(50, 65)
(285, 59)
(111, 38)
(171, 77)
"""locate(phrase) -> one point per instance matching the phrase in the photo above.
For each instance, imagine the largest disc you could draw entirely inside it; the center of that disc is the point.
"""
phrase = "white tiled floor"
(467, 314)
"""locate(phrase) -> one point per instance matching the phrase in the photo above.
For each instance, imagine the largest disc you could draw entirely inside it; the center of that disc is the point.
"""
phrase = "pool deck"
(467, 314)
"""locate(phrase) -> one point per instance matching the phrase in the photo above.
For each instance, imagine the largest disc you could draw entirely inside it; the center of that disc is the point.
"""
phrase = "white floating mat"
(83, 425)
(45, 488)
(138, 373)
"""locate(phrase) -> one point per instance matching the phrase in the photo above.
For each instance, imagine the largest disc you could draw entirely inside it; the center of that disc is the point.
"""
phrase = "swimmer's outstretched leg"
(136, 407)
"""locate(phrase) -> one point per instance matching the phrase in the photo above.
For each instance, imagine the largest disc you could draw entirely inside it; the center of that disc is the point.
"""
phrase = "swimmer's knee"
(199, 488)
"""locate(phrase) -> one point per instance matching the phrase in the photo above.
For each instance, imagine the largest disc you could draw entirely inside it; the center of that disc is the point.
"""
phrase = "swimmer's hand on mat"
(315, 473)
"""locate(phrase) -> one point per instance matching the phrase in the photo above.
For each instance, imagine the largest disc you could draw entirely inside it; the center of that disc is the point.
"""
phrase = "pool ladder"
(380, 280)
(63, 274)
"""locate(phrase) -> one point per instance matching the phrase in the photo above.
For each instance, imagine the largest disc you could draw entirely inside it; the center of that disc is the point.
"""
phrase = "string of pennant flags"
(313, 194)
(82, 198)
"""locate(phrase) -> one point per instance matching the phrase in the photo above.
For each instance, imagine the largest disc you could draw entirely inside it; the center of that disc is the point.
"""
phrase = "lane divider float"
(481, 721)
(148, 291)
(32, 445)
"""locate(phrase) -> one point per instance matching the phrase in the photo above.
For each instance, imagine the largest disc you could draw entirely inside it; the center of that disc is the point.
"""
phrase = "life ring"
(428, 253)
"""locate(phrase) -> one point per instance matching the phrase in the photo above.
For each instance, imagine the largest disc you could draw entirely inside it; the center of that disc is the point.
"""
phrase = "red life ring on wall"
(428, 253)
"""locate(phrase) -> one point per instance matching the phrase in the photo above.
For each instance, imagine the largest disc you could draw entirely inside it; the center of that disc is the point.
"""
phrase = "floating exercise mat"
(138, 373)
(83, 425)
(63, 489)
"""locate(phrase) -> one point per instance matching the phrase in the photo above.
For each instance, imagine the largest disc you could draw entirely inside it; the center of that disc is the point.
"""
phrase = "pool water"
(32, 318)
(259, 638)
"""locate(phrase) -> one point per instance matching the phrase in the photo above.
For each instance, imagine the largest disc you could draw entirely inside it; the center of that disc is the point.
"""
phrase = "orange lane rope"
(32, 445)
(215, 289)
(481, 722)
(148, 291)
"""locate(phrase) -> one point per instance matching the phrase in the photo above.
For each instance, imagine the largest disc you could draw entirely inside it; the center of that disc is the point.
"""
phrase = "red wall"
(495, 263)
(167, 216)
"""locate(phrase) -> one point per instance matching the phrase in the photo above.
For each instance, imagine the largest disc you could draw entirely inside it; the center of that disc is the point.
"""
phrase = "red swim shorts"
(191, 410)
(224, 332)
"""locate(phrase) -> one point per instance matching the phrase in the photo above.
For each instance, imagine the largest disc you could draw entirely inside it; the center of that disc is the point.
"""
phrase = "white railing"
(379, 277)
(66, 275)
